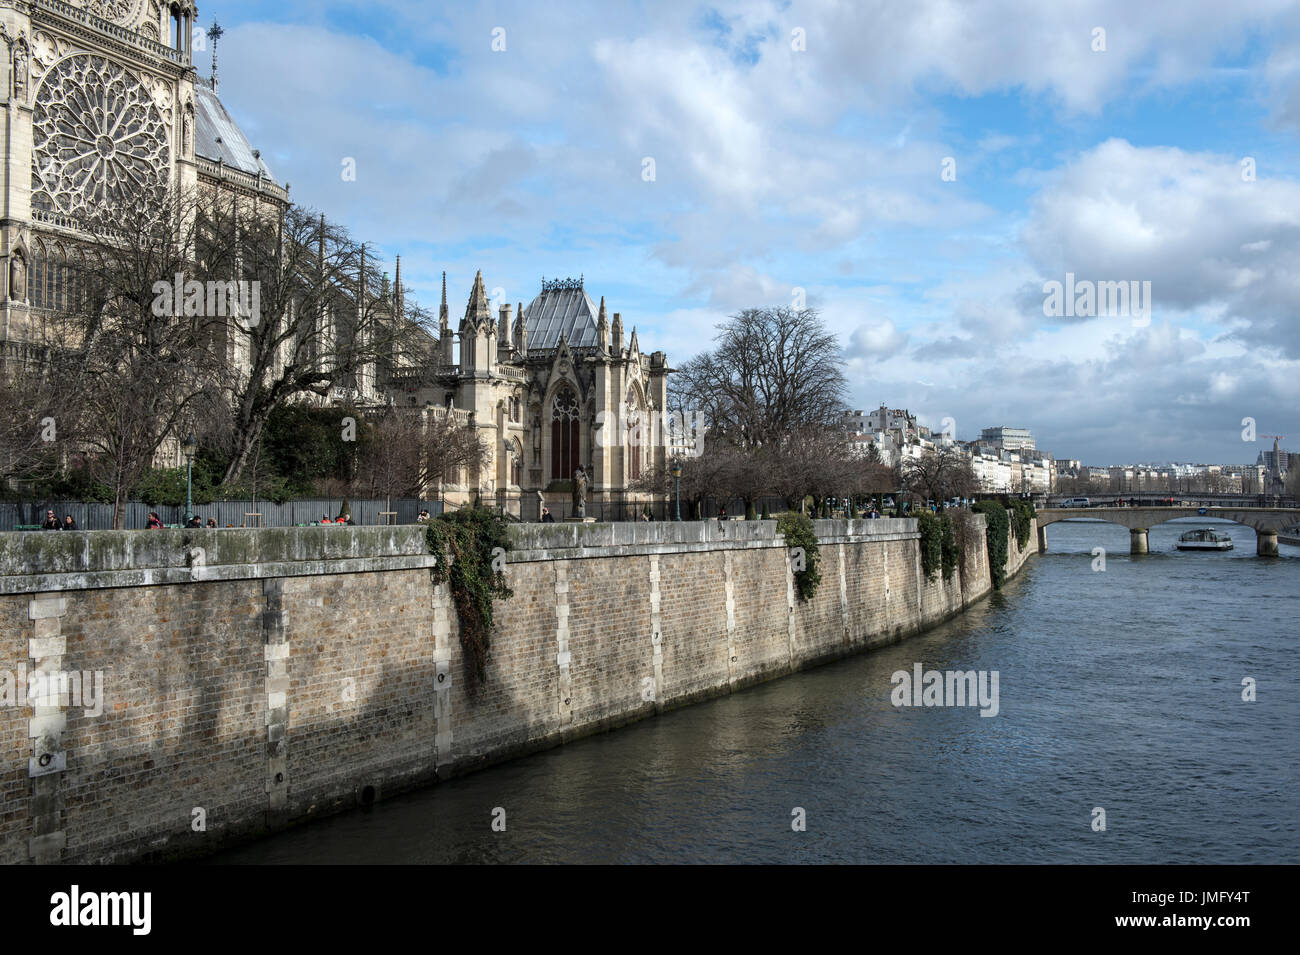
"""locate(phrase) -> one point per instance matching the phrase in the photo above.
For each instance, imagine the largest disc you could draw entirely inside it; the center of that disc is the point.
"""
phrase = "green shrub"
(467, 543)
(798, 531)
(167, 485)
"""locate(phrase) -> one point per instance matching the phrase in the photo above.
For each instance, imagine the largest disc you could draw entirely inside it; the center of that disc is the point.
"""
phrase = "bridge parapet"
(1265, 521)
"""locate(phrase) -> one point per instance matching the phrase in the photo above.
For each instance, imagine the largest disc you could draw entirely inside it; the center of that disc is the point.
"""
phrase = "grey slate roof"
(216, 136)
(568, 311)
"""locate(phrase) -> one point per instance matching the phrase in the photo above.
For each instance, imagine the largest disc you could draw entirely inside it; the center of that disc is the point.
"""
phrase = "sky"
(916, 171)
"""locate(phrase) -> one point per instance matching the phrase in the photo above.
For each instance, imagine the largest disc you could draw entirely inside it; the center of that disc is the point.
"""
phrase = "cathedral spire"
(442, 309)
(521, 331)
(602, 329)
(361, 283)
(215, 33)
(399, 298)
(477, 311)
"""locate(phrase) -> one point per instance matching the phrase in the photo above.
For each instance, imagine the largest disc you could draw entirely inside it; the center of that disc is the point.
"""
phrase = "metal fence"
(603, 511)
(99, 517)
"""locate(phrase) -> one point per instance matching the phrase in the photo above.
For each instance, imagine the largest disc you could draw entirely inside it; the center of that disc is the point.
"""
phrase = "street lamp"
(675, 469)
(189, 447)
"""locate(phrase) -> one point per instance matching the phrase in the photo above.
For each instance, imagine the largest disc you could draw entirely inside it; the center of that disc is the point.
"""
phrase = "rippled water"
(1118, 689)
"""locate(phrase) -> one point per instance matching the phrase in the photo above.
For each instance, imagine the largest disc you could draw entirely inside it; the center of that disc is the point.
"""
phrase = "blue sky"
(801, 146)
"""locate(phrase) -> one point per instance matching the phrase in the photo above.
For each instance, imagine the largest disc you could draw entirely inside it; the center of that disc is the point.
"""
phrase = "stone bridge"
(1266, 521)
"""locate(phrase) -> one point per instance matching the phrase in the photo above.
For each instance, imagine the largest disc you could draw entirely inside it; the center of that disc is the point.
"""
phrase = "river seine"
(1119, 690)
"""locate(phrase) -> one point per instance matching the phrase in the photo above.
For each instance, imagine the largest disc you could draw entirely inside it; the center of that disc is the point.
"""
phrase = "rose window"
(98, 138)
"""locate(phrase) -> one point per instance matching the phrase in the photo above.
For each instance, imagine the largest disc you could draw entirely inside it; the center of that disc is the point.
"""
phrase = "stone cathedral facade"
(550, 388)
(102, 97)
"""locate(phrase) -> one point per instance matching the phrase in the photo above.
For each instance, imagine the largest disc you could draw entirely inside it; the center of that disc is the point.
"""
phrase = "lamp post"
(189, 447)
(675, 469)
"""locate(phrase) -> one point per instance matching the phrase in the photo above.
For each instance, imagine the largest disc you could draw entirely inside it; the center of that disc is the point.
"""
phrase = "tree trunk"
(246, 441)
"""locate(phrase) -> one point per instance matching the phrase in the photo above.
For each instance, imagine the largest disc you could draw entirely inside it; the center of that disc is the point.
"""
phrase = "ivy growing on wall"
(999, 537)
(931, 543)
(470, 545)
(939, 550)
(951, 550)
(798, 531)
(1022, 513)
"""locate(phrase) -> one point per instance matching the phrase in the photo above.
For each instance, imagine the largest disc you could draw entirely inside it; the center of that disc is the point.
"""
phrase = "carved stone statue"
(20, 71)
(17, 277)
(579, 493)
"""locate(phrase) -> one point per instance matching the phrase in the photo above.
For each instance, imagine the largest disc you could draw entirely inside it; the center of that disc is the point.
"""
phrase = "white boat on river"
(1204, 539)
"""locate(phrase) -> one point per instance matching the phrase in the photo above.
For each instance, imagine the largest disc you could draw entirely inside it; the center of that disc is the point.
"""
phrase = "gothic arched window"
(36, 275)
(564, 434)
(58, 278)
(516, 453)
(635, 435)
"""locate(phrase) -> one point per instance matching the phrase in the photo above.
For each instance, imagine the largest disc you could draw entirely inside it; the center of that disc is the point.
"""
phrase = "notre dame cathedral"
(102, 98)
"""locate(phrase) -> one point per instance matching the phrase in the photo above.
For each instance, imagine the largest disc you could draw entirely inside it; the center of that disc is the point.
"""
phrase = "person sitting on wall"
(69, 524)
(194, 521)
(212, 522)
(325, 519)
(424, 517)
(51, 522)
(154, 523)
(722, 513)
(547, 516)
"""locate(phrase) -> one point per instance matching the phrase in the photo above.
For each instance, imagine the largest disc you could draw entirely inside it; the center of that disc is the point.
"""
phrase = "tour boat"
(1204, 539)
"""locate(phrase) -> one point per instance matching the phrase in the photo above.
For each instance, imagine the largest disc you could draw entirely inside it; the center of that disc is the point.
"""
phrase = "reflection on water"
(1118, 689)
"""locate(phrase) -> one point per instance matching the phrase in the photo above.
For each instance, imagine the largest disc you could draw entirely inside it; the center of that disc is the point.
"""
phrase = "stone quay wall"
(254, 679)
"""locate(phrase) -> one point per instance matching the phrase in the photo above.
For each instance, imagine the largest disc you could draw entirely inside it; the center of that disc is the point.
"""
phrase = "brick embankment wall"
(255, 679)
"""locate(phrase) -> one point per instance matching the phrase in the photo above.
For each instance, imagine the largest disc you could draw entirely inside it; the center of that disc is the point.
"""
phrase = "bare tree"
(774, 370)
(769, 394)
(327, 323)
(408, 450)
(132, 365)
(879, 478)
(29, 427)
(940, 473)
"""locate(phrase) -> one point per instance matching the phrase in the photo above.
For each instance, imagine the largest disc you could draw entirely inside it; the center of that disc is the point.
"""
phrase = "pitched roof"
(563, 308)
(217, 137)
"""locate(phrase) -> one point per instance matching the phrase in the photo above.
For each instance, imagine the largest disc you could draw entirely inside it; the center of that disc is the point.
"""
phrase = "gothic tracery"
(97, 137)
